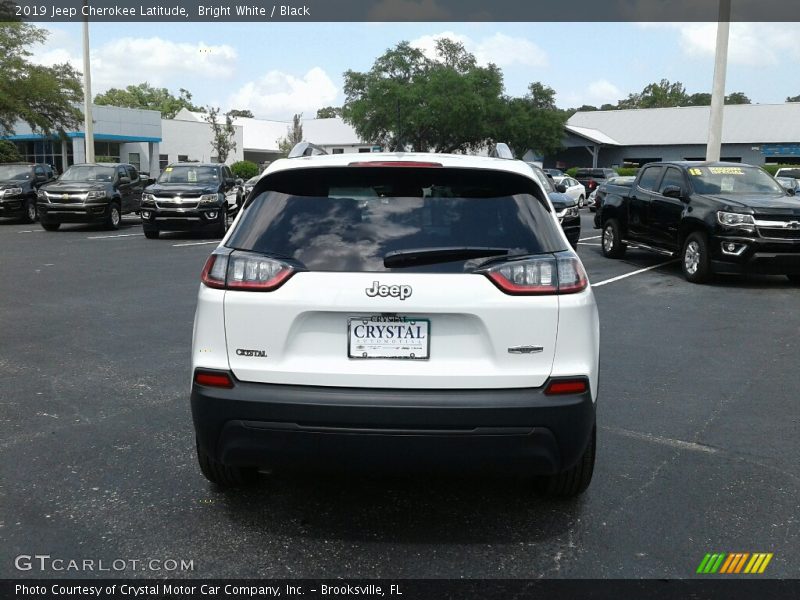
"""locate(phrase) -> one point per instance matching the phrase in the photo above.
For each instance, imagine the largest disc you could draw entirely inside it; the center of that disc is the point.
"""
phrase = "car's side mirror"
(561, 188)
(239, 181)
(673, 191)
(123, 180)
(791, 191)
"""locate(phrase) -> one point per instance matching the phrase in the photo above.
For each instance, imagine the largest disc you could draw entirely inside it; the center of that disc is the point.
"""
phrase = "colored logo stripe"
(734, 562)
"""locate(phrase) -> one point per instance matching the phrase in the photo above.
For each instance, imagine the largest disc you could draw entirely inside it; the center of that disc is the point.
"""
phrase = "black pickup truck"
(716, 217)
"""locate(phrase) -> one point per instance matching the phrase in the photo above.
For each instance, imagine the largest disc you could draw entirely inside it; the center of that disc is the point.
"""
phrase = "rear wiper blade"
(431, 256)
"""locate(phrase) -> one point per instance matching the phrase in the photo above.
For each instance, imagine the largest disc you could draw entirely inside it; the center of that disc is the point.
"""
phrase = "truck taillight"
(561, 273)
(592, 184)
(244, 271)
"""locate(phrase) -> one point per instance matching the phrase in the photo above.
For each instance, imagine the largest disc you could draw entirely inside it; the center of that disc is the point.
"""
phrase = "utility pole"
(88, 127)
(714, 148)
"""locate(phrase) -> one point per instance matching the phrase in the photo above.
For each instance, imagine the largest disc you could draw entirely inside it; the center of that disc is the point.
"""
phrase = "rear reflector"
(566, 386)
(218, 379)
(393, 163)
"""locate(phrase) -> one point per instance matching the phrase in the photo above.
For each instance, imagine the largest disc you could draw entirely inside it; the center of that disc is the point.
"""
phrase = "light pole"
(714, 147)
(88, 124)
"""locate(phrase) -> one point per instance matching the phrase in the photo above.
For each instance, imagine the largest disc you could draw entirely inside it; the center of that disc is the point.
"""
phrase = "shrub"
(772, 169)
(627, 171)
(8, 152)
(105, 159)
(572, 171)
(245, 169)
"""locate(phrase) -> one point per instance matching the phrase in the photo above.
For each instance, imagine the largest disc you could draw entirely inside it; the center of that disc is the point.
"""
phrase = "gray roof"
(742, 124)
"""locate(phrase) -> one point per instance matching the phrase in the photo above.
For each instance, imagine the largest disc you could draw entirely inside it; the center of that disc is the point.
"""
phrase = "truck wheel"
(223, 475)
(224, 221)
(114, 217)
(612, 244)
(30, 212)
(695, 260)
(49, 226)
(574, 481)
(581, 203)
(151, 234)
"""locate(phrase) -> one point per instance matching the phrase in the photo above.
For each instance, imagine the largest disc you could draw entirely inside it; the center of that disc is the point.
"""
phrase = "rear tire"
(151, 234)
(574, 481)
(581, 202)
(695, 259)
(30, 212)
(50, 226)
(224, 221)
(223, 475)
(612, 244)
(114, 217)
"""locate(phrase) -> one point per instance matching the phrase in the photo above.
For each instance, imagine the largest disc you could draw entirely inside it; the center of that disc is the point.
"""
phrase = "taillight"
(566, 386)
(219, 379)
(244, 271)
(561, 273)
(592, 184)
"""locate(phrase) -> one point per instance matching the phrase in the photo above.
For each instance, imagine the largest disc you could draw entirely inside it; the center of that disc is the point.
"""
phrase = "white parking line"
(196, 243)
(647, 437)
(588, 244)
(595, 237)
(103, 237)
(31, 231)
(632, 273)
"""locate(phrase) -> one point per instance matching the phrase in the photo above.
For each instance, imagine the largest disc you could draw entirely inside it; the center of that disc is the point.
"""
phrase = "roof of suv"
(445, 160)
(195, 164)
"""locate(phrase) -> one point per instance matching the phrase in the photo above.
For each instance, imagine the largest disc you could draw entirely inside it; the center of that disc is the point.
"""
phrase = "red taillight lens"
(559, 274)
(394, 163)
(592, 184)
(566, 386)
(245, 271)
(218, 379)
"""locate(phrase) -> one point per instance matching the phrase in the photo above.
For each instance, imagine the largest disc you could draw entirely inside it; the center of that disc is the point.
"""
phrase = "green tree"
(657, 95)
(244, 169)
(329, 112)
(294, 135)
(148, 97)
(542, 96)
(793, 99)
(8, 152)
(45, 98)
(737, 98)
(222, 133)
(247, 114)
(700, 99)
(445, 104)
(527, 126)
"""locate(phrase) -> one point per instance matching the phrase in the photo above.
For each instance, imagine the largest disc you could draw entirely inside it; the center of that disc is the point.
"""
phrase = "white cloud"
(500, 49)
(603, 92)
(280, 95)
(127, 61)
(750, 44)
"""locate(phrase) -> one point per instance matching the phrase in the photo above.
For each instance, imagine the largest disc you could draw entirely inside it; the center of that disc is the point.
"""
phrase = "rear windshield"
(349, 219)
(789, 173)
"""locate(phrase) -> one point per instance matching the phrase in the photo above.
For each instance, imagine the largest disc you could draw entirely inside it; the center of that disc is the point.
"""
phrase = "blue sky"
(276, 70)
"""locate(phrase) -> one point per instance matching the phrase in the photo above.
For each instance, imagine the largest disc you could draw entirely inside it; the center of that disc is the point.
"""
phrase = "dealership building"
(144, 139)
(756, 134)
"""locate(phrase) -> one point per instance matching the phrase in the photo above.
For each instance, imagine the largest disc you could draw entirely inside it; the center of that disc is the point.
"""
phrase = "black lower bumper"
(12, 207)
(163, 219)
(766, 257)
(72, 213)
(281, 425)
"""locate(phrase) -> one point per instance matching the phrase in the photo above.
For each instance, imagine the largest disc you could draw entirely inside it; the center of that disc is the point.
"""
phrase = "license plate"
(388, 337)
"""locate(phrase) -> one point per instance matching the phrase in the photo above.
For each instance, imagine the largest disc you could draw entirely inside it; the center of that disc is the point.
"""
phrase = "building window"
(135, 160)
(106, 151)
(163, 161)
(183, 158)
(363, 150)
(337, 151)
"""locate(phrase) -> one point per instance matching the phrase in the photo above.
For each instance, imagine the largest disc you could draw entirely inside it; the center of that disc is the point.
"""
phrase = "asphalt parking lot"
(697, 452)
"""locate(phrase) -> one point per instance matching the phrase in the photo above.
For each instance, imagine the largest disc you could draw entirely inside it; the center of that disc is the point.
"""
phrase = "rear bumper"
(256, 424)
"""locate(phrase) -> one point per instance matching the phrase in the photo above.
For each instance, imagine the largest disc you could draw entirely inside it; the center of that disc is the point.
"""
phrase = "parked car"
(790, 184)
(19, 183)
(554, 172)
(415, 307)
(90, 193)
(248, 185)
(591, 178)
(793, 172)
(189, 196)
(717, 217)
(574, 190)
(565, 206)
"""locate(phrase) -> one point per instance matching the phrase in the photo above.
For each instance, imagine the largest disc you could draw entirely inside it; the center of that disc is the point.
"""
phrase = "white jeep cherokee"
(417, 306)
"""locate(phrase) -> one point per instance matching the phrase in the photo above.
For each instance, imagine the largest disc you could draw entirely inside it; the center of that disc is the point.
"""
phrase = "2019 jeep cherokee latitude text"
(408, 305)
